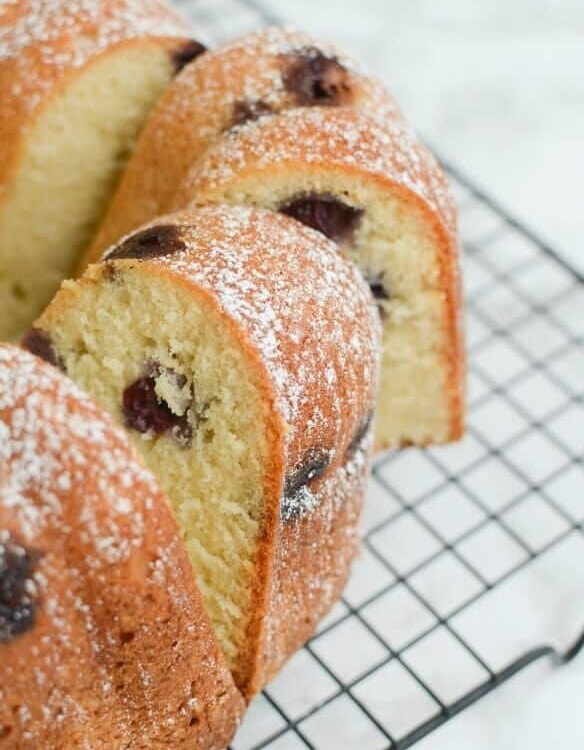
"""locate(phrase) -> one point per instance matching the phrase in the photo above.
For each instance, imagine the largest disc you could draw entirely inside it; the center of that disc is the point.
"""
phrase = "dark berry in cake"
(247, 111)
(316, 79)
(147, 413)
(336, 220)
(17, 589)
(187, 53)
(40, 344)
(298, 497)
(150, 243)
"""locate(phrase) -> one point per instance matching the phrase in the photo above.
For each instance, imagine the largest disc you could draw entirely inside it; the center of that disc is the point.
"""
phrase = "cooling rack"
(461, 543)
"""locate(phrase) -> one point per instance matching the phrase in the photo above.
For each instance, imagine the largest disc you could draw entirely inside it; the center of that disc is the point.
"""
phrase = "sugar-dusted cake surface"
(104, 642)
(255, 76)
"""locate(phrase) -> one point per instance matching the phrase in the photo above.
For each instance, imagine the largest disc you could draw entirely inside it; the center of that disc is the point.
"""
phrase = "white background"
(498, 87)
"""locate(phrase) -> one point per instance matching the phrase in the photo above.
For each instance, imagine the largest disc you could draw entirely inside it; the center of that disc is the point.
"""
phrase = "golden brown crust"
(244, 78)
(311, 564)
(44, 43)
(348, 143)
(120, 653)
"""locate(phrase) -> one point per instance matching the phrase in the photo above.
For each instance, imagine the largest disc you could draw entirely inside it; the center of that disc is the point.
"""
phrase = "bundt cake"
(77, 79)
(260, 73)
(104, 642)
(383, 198)
(240, 350)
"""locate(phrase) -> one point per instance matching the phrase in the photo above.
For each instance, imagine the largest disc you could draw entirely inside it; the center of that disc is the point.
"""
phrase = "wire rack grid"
(461, 543)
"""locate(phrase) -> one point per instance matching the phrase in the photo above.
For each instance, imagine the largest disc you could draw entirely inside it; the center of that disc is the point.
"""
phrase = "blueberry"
(17, 605)
(315, 78)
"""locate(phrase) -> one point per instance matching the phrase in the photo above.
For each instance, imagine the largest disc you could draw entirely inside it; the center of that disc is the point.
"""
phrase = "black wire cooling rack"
(461, 543)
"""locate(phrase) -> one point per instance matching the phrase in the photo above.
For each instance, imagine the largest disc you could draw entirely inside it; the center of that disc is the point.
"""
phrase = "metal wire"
(521, 341)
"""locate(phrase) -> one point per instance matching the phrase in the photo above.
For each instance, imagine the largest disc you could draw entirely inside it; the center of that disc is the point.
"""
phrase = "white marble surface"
(498, 87)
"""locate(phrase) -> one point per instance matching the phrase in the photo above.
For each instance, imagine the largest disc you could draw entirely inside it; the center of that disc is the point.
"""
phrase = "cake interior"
(209, 445)
(395, 249)
(74, 153)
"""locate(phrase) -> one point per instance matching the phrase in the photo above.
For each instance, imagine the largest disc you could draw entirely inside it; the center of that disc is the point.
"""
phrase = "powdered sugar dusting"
(110, 568)
(42, 39)
(212, 96)
(332, 138)
(54, 438)
(338, 484)
(319, 542)
(251, 69)
(325, 322)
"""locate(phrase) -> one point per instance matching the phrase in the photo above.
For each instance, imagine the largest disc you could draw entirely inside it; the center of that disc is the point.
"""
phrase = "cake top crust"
(44, 41)
(332, 138)
(255, 75)
(52, 436)
(247, 79)
(67, 33)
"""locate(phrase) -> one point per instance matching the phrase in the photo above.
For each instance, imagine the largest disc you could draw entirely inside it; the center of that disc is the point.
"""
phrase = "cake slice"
(77, 80)
(240, 351)
(252, 77)
(381, 196)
